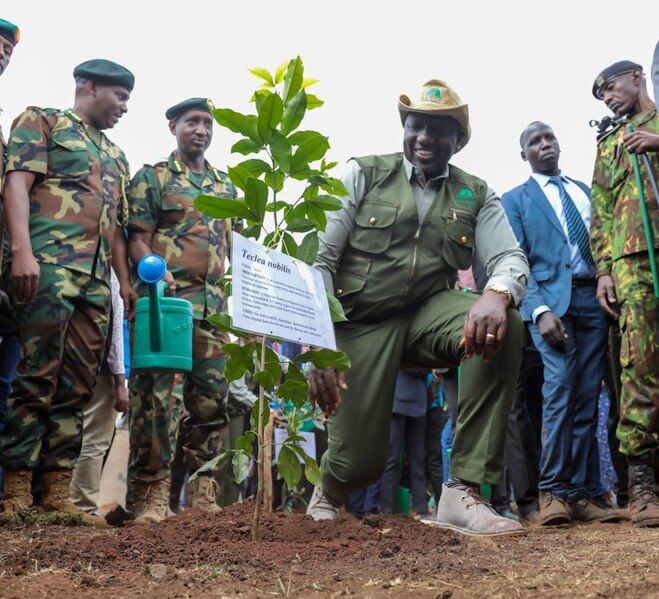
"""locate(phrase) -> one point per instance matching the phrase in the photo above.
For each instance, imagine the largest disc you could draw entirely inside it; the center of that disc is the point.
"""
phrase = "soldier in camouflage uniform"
(625, 287)
(163, 220)
(63, 201)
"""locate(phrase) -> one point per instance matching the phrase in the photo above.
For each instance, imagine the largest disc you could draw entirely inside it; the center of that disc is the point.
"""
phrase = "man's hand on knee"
(485, 325)
(324, 385)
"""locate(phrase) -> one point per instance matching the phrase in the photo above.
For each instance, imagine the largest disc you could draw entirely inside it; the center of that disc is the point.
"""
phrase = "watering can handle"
(156, 291)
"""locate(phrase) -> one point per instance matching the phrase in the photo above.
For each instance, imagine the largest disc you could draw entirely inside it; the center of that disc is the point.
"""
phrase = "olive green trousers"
(429, 337)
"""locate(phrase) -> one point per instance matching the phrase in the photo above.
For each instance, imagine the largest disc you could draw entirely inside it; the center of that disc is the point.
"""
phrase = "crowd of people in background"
(517, 375)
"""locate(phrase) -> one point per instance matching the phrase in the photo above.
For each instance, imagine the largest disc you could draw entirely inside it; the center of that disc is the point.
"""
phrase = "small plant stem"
(261, 451)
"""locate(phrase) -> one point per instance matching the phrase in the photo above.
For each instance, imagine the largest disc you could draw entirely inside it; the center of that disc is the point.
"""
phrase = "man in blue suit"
(550, 215)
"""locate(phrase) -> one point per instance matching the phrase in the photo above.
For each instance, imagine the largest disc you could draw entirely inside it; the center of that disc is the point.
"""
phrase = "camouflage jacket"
(194, 245)
(617, 225)
(78, 196)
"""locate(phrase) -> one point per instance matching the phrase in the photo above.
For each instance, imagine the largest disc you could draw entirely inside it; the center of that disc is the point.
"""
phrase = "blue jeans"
(573, 378)
(9, 354)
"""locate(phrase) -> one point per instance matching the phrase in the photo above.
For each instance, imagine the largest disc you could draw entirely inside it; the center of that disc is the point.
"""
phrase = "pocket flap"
(374, 215)
(73, 144)
(460, 232)
(346, 284)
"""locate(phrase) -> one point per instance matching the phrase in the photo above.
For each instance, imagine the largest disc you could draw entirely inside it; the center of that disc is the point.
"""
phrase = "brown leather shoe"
(202, 493)
(18, 491)
(587, 510)
(155, 507)
(554, 511)
(55, 498)
(643, 500)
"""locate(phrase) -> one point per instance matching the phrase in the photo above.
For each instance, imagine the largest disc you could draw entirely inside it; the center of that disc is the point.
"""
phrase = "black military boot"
(643, 500)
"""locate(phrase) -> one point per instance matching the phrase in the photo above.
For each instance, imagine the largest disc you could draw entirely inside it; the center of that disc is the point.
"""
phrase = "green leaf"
(309, 150)
(327, 166)
(309, 82)
(245, 124)
(293, 78)
(310, 192)
(300, 137)
(270, 113)
(256, 197)
(308, 249)
(313, 102)
(265, 379)
(275, 180)
(222, 321)
(312, 471)
(254, 231)
(210, 465)
(327, 203)
(294, 112)
(336, 309)
(289, 467)
(300, 225)
(276, 206)
(240, 466)
(289, 246)
(254, 416)
(333, 186)
(262, 74)
(246, 146)
(246, 442)
(317, 215)
(325, 358)
(282, 151)
(234, 370)
(281, 71)
(294, 373)
(244, 354)
(295, 391)
(254, 167)
(223, 207)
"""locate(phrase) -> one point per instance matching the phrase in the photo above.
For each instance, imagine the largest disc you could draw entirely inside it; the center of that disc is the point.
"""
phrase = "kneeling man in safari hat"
(410, 221)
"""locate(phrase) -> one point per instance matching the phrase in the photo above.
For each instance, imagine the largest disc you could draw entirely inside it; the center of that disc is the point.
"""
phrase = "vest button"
(339, 291)
(372, 220)
(463, 239)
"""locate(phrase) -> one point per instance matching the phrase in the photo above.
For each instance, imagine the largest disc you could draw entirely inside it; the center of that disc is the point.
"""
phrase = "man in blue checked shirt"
(550, 215)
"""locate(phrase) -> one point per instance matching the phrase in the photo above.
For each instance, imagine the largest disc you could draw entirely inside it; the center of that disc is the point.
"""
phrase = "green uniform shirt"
(78, 195)
(617, 225)
(193, 244)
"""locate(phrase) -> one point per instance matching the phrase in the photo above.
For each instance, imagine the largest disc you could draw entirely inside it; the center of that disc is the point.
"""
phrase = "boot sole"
(646, 523)
(452, 527)
(559, 520)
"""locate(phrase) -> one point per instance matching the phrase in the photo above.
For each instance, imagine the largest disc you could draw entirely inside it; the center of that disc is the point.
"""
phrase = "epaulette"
(46, 111)
(155, 164)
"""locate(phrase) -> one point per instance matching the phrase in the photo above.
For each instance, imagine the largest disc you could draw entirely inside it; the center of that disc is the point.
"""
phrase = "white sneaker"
(320, 507)
(463, 510)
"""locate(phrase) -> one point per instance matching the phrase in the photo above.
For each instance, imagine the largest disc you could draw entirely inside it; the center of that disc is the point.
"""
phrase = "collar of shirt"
(416, 175)
(178, 166)
(543, 180)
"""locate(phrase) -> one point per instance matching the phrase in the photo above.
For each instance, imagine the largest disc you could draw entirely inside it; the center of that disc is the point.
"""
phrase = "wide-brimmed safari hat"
(439, 99)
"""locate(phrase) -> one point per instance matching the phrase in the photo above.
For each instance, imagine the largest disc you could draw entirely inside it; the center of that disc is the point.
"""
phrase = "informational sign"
(274, 294)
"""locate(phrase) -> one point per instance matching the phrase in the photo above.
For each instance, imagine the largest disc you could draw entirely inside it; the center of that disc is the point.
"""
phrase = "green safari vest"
(392, 263)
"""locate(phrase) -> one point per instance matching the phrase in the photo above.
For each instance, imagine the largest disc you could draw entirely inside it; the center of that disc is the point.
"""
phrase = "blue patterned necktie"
(576, 228)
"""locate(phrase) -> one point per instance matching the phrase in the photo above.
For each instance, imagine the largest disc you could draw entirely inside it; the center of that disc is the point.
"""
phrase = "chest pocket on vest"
(68, 157)
(459, 240)
(177, 212)
(373, 228)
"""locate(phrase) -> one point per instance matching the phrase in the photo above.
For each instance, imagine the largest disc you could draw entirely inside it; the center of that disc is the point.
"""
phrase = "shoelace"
(474, 498)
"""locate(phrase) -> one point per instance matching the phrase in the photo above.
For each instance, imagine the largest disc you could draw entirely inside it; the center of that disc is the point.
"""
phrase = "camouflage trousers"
(156, 406)
(638, 429)
(62, 337)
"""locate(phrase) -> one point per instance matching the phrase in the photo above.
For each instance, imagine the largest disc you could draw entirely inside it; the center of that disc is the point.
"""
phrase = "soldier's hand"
(606, 295)
(120, 394)
(324, 385)
(485, 325)
(640, 142)
(25, 272)
(129, 297)
(171, 283)
(552, 329)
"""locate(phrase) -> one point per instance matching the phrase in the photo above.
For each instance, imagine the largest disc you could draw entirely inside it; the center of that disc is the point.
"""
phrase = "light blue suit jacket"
(542, 238)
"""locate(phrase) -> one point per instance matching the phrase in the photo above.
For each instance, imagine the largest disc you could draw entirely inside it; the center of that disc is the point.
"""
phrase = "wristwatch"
(503, 290)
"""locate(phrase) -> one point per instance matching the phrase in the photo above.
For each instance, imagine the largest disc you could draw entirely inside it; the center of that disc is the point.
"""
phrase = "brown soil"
(195, 555)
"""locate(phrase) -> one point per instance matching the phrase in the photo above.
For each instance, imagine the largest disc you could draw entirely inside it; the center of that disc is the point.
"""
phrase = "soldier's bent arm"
(339, 224)
(601, 225)
(497, 246)
(144, 206)
(16, 201)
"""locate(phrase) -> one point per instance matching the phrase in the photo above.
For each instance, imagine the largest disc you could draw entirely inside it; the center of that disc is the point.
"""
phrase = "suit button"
(567, 266)
(463, 239)
(372, 220)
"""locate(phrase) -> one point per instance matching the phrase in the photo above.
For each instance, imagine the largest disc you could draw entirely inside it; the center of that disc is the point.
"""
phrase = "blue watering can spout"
(151, 269)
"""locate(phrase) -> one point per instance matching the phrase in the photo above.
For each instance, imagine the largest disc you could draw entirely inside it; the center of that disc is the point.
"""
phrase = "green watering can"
(162, 339)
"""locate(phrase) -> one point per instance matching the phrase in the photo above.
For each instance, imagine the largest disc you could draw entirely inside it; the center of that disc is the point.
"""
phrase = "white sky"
(513, 62)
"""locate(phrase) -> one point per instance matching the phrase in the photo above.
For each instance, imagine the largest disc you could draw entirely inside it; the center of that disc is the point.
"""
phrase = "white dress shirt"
(579, 267)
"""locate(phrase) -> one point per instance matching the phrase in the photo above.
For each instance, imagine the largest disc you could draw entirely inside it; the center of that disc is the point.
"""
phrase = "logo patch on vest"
(465, 196)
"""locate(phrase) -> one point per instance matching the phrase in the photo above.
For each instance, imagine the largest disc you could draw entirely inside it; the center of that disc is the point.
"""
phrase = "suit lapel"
(540, 200)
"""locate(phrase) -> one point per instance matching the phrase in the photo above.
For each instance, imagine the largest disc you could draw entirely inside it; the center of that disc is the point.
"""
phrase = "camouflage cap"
(177, 110)
(615, 70)
(437, 98)
(10, 32)
(105, 71)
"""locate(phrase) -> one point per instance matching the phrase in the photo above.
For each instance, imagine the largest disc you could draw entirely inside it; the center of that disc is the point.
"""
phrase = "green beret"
(615, 70)
(105, 71)
(190, 104)
(10, 32)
